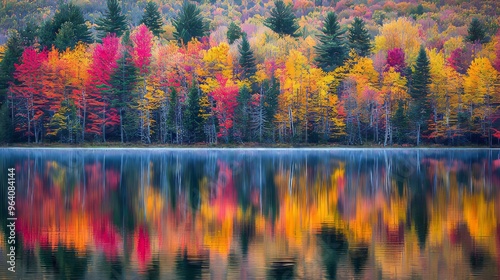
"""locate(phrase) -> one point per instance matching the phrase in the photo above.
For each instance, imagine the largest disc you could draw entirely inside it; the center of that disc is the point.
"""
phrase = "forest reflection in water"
(253, 214)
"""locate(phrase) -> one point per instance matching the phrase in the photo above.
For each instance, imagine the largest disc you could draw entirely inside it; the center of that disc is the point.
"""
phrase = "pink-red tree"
(225, 97)
(97, 113)
(396, 60)
(28, 93)
(142, 40)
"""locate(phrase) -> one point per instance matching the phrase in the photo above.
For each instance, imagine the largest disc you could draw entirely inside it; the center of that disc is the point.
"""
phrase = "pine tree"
(233, 33)
(152, 18)
(189, 23)
(282, 19)
(359, 39)
(419, 91)
(331, 50)
(65, 37)
(193, 121)
(123, 82)
(5, 124)
(476, 33)
(247, 60)
(113, 21)
(66, 13)
(241, 114)
(13, 52)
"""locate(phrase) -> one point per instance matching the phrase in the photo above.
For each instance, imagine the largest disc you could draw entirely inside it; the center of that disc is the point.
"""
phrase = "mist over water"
(254, 214)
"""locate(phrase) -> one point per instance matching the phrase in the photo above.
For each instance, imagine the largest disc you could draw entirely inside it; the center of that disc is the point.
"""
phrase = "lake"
(253, 214)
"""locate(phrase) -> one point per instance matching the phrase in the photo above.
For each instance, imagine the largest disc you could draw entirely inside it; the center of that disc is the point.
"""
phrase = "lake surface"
(253, 214)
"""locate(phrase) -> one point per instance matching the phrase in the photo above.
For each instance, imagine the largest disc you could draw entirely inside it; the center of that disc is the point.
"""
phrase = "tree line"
(60, 84)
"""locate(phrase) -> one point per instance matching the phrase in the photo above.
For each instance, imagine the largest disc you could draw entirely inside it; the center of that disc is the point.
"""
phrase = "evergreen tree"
(65, 37)
(13, 51)
(123, 82)
(5, 123)
(476, 33)
(193, 121)
(359, 39)
(152, 18)
(421, 80)
(331, 50)
(189, 23)
(28, 34)
(282, 19)
(271, 106)
(233, 33)
(112, 21)
(247, 60)
(242, 115)
(66, 13)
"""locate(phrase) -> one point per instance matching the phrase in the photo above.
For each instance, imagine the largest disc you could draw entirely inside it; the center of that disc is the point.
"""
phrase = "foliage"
(331, 50)
(247, 60)
(189, 23)
(282, 20)
(152, 18)
(233, 32)
(359, 38)
(113, 21)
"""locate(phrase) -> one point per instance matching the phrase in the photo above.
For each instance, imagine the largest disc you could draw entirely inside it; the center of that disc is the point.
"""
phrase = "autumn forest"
(341, 72)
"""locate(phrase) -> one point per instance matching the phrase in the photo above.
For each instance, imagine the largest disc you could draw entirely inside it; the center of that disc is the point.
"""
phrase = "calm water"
(241, 214)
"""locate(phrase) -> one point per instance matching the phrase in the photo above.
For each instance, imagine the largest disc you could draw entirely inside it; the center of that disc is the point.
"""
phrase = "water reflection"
(194, 214)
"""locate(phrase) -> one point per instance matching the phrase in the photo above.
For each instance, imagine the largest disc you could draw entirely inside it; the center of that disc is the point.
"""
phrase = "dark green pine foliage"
(421, 80)
(66, 13)
(271, 106)
(233, 32)
(28, 34)
(242, 115)
(189, 24)
(113, 21)
(172, 113)
(247, 60)
(13, 51)
(359, 38)
(65, 37)
(331, 50)
(193, 121)
(476, 33)
(5, 123)
(282, 19)
(152, 18)
(123, 82)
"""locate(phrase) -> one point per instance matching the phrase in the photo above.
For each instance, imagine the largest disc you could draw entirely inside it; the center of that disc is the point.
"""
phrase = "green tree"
(282, 19)
(242, 114)
(13, 51)
(113, 21)
(476, 32)
(247, 60)
(233, 32)
(189, 23)
(359, 38)
(331, 50)
(193, 121)
(123, 82)
(66, 13)
(65, 37)
(421, 80)
(152, 18)
(5, 124)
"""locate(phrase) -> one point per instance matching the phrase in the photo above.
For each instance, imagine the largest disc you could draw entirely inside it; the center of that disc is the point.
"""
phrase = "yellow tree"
(393, 90)
(444, 96)
(292, 98)
(217, 61)
(401, 33)
(480, 95)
